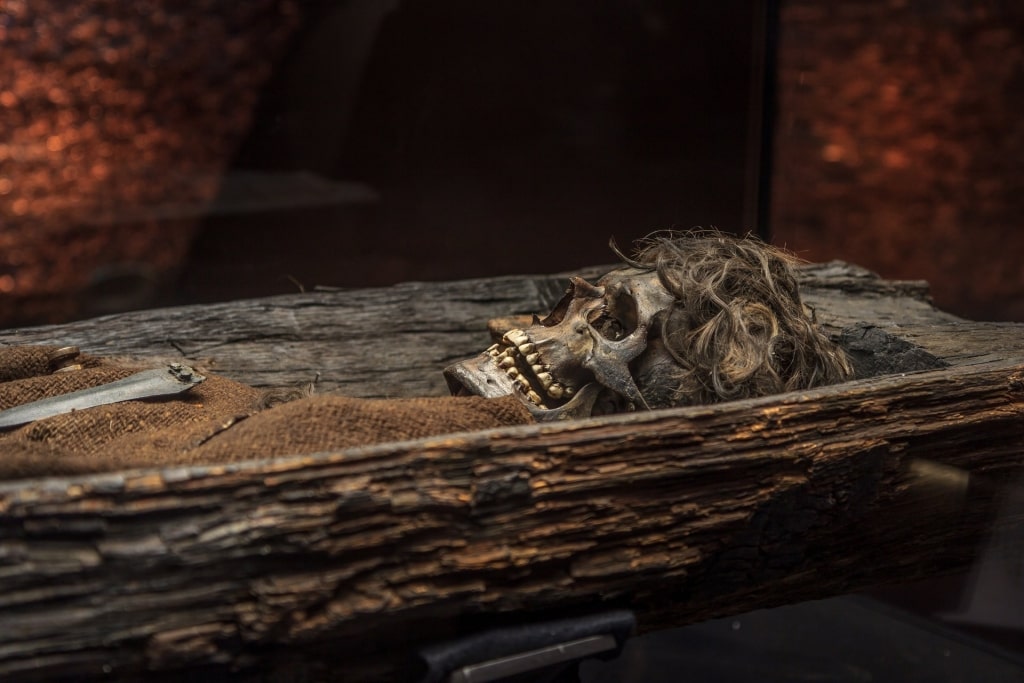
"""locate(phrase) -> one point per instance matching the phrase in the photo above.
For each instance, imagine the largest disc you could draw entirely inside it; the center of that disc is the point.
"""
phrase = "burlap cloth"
(217, 421)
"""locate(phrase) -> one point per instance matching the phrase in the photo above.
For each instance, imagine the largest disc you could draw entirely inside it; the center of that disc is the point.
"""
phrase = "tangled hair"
(737, 328)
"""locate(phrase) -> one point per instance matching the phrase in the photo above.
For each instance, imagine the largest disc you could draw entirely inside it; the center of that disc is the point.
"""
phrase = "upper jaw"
(519, 358)
(514, 366)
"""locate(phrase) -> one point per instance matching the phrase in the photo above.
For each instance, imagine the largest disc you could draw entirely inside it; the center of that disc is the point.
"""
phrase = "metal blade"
(173, 379)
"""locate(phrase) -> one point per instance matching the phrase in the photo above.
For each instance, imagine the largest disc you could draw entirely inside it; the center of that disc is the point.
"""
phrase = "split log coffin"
(338, 565)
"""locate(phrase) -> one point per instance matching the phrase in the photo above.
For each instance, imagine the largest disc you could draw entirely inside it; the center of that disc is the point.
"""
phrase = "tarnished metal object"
(64, 359)
(173, 379)
(529, 650)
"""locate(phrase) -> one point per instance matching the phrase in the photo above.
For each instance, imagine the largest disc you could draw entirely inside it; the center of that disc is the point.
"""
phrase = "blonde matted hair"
(738, 327)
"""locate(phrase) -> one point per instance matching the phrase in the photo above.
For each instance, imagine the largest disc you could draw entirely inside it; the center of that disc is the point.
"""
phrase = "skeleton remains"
(698, 318)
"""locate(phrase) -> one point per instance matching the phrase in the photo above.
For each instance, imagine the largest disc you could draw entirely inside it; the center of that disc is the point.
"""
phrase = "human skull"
(584, 357)
(695, 318)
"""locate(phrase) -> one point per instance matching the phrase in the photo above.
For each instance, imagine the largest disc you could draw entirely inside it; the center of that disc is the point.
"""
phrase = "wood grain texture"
(302, 567)
(383, 342)
(394, 341)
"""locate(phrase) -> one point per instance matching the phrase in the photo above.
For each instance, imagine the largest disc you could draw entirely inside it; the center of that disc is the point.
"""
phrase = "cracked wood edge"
(350, 558)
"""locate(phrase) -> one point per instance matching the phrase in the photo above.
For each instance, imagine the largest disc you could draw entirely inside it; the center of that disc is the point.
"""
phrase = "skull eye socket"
(607, 325)
(617, 318)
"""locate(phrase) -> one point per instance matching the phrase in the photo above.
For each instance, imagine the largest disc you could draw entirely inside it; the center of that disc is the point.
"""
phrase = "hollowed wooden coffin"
(338, 566)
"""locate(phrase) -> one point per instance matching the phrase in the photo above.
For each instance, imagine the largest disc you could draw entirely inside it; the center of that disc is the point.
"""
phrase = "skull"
(695, 318)
(584, 357)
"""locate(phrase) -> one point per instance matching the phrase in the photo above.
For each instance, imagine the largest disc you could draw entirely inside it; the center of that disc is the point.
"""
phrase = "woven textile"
(217, 421)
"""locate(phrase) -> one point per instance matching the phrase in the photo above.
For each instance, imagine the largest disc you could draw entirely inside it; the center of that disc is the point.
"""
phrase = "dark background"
(155, 153)
(899, 144)
(498, 138)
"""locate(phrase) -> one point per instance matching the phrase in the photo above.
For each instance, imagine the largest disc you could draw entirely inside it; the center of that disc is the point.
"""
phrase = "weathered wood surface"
(382, 342)
(394, 341)
(343, 562)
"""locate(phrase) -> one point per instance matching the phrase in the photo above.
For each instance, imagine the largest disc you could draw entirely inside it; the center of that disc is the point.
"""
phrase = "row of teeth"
(518, 343)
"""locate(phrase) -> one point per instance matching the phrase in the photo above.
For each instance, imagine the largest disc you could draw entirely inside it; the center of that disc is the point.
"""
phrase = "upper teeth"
(516, 337)
(518, 344)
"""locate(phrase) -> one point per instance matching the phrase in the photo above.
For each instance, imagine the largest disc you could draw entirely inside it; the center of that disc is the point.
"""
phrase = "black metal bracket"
(548, 651)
